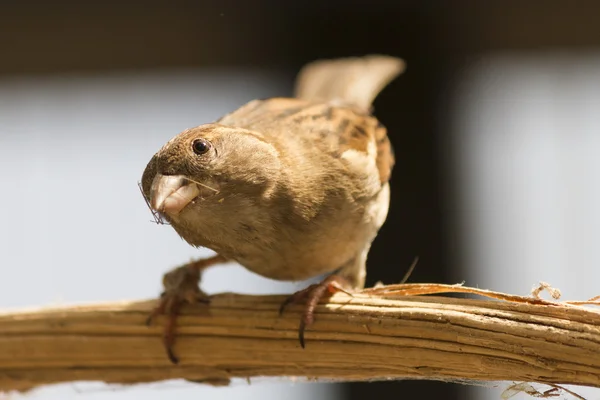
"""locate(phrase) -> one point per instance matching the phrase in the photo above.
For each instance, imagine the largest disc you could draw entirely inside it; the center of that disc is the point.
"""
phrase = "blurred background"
(495, 125)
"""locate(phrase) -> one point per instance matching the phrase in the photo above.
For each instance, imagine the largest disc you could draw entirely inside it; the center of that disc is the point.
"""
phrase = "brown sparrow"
(290, 188)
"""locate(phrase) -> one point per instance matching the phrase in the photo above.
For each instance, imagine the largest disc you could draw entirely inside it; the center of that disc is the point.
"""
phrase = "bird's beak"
(170, 194)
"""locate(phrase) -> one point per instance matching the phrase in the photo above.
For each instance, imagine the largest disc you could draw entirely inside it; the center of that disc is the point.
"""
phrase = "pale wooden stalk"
(353, 338)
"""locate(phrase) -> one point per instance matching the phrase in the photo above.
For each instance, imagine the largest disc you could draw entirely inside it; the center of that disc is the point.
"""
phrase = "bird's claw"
(311, 296)
(181, 287)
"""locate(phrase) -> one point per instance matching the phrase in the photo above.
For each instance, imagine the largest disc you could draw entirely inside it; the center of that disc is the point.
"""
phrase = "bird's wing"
(331, 111)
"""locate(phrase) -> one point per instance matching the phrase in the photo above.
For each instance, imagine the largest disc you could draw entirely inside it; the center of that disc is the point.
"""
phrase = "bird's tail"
(355, 81)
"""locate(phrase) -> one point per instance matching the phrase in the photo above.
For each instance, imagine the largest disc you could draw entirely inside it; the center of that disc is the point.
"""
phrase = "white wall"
(525, 153)
(75, 227)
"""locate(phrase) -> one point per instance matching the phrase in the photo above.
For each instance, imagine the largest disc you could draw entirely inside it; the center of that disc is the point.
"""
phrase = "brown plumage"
(291, 188)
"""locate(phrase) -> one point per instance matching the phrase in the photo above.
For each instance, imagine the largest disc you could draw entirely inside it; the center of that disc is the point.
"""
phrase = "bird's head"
(208, 174)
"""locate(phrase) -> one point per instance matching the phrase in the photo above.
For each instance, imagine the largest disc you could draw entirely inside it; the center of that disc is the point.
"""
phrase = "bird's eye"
(200, 146)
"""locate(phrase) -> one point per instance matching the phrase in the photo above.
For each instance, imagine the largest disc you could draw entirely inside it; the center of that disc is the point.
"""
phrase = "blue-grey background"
(75, 226)
(494, 125)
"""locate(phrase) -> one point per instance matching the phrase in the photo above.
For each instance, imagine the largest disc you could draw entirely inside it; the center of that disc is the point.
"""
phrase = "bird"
(291, 188)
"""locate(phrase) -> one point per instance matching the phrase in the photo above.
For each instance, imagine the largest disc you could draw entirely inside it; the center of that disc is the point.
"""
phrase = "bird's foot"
(311, 296)
(180, 287)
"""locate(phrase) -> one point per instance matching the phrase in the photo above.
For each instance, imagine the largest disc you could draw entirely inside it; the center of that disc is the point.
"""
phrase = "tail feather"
(355, 81)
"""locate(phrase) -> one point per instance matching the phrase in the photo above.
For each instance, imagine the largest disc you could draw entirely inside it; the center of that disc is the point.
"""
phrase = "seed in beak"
(170, 194)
